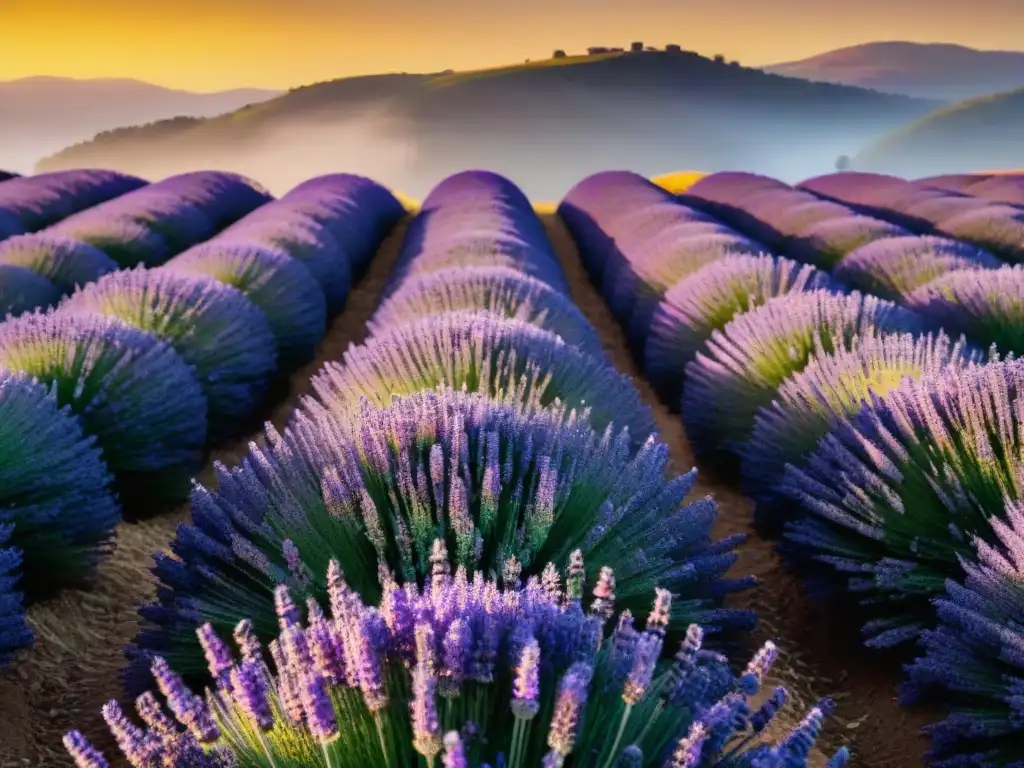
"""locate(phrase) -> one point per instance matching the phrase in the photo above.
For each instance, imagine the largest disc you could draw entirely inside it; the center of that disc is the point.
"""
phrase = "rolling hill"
(926, 70)
(985, 132)
(546, 124)
(42, 114)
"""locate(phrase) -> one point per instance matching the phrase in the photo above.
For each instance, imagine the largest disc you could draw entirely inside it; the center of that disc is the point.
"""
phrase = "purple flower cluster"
(743, 364)
(469, 670)
(35, 202)
(894, 267)
(65, 262)
(14, 631)
(54, 487)
(996, 228)
(826, 243)
(212, 326)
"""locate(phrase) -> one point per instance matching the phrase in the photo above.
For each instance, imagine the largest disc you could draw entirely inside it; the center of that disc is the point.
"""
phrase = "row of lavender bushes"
(113, 396)
(883, 454)
(478, 497)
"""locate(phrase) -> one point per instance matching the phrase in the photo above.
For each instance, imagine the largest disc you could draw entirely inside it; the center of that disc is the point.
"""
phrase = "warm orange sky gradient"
(208, 45)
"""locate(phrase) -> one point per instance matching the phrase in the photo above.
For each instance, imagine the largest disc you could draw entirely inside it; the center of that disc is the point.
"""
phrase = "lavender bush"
(303, 239)
(281, 286)
(894, 267)
(500, 291)
(22, 290)
(15, 633)
(986, 305)
(936, 210)
(124, 240)
(463, 671)
(43, 199)
(743, 364)
(998, 229)
(707, 300)
(826, 243)
(971, 658)
(213, 327)
(54, 491)
(1000, 188)
(856, 187)
(132, 391)
(223, 197)
(63, 261)
(791, 220)
(375, 489)
(507, 360)
(809, 403)
(894, 495)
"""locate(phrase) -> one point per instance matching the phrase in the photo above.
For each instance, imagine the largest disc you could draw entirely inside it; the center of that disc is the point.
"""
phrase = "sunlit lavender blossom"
(998, 229)
(985, 305)
(213, 327)
(41, 199)
(708, 299)
(508, 360)
(65, 262)
(743, 364)
(832, 386)
(381, 486)
(281, 286)
(894, 267)
(305, 718)
(894, 494)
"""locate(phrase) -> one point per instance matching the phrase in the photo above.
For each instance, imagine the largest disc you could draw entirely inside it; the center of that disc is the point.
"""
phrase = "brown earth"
(73, 669)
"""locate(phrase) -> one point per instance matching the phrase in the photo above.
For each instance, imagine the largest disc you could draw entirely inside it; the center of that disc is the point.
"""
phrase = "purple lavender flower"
(281, 286)
(57, 510)
(498, 290)
(971, 662)
(218, 655)
(894, 494)
(316, 701)
(454, 752)
(833, 386)
(84, 754)
(856, 187)
(892, 268)
(39, 200)
(249, 691)
(526, 692)
(63, 261)
(508, 360)
(939, 209)
(745, 362)
(826, 243)
(569, 705)
(139, 399)
(276, 227)
(693, 308)
(212, 326)
(122, 238)
(985, 305)
(426, 725)
(998, 229)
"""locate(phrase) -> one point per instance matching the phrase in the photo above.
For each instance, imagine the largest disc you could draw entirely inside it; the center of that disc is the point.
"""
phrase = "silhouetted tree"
(559, 54)
(843, 163)
(636, 47)
(673, 48)
(719, 58)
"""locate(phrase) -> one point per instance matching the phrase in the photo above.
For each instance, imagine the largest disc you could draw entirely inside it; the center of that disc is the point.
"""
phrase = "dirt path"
(62, 682)
(817, 658)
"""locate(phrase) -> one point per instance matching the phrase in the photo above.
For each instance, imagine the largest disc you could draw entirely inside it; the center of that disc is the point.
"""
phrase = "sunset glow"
(204, 45)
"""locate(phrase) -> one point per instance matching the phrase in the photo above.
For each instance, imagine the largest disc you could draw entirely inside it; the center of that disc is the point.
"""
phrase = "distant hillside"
(42, 114)
(546, 124)
(927, 70)
(986, 132)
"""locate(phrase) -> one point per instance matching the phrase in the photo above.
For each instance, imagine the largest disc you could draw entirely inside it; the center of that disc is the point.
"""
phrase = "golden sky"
(208, 45)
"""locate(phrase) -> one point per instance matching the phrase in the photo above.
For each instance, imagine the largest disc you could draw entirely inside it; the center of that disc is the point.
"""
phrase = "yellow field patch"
(678, 181)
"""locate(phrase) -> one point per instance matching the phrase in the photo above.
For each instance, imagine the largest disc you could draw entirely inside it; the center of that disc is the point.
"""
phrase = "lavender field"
(714, 473)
